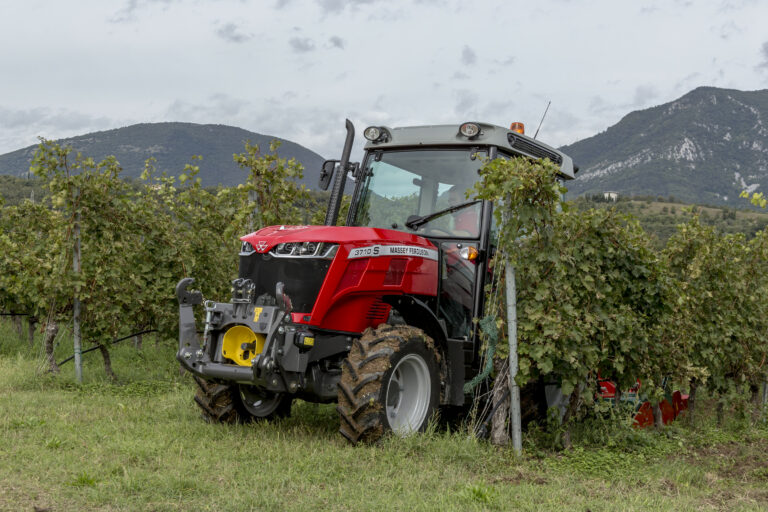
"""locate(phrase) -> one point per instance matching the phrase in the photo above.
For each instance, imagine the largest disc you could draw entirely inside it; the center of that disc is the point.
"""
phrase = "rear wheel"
(239, 403)
(390, 381)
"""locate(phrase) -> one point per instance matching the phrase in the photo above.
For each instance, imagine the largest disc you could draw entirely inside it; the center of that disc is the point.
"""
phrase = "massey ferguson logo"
(261, 246)
(374, 251)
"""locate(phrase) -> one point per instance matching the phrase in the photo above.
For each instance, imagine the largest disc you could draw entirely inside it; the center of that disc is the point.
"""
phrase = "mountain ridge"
(173, 144)
(704, 147)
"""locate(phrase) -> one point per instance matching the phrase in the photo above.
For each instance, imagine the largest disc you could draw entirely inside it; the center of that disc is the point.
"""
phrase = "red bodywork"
(644, 414)
(350, 297)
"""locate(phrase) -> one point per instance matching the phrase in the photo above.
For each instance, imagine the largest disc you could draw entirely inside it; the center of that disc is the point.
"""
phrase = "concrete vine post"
(76, 305)
(765, 399)
(514, 389)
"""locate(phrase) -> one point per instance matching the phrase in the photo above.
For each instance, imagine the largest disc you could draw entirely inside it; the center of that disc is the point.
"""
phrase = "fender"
(418, 314)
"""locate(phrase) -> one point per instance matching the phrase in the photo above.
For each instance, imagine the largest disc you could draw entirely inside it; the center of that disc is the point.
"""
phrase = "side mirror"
(327, 173)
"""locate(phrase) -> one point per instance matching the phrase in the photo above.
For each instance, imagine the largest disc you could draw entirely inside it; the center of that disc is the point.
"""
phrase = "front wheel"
(262, 404)
(390, 381)
(239, 403)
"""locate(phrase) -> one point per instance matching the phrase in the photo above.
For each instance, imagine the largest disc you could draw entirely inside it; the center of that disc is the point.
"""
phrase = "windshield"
(405, 185)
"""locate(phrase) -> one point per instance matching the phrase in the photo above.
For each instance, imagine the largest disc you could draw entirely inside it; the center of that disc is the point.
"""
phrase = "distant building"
(611, 196)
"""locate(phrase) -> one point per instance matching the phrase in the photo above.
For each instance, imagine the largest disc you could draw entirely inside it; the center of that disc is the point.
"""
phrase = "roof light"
(469, 130)
(517, 127)
(372, 133)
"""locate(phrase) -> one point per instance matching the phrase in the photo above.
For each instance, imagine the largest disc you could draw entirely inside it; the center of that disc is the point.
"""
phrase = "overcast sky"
(296, 68)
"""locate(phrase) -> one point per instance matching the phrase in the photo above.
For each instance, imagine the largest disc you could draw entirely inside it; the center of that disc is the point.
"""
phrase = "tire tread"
(361, 412)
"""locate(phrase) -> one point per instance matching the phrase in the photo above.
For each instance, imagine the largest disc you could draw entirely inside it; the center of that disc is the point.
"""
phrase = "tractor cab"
(419, 180)
(425, 192)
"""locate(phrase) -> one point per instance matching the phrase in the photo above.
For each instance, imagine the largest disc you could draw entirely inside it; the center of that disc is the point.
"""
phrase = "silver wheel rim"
(258, 402)
(408, 395)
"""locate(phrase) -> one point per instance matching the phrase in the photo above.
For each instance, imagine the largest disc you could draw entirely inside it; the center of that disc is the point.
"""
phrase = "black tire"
(236, 403)
(390, 381)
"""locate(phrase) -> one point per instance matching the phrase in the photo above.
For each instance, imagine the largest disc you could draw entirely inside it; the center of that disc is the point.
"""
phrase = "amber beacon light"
(517, 127)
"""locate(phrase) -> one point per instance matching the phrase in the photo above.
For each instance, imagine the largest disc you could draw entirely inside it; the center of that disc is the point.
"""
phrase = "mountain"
(705, 147)
(173, 145)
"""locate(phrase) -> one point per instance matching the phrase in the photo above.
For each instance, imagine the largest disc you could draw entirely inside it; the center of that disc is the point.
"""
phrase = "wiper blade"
(415, 221)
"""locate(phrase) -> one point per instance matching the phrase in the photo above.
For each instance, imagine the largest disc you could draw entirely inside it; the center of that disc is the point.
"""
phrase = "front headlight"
(322, 250)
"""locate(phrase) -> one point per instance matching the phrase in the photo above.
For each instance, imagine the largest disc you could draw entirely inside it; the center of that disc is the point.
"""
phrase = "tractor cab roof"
(505, 139)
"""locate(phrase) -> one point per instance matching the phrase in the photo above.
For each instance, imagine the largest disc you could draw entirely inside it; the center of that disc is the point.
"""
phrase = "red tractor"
(376, 314)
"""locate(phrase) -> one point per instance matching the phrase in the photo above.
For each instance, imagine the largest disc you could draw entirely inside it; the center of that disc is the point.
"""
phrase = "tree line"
(137, 240)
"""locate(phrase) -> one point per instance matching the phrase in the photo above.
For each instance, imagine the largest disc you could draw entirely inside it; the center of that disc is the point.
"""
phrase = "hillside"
(172, 144)
(660, 217)
(704, 147)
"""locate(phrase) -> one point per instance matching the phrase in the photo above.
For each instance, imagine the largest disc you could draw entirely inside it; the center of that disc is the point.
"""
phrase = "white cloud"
(508, 61)
(21, 127)
(337, 6)
(216, 106)
(644, 94)
(230, 32)
(466, 102)
(764, 56)
(728, 30)
(301, 44)
(131, 7)
(337, 42)
(468, 56)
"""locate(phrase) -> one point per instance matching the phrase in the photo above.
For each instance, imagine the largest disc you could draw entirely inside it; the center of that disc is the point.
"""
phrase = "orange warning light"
(517, 127)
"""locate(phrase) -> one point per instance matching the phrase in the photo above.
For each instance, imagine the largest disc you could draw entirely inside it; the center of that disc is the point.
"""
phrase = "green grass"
(141, 445)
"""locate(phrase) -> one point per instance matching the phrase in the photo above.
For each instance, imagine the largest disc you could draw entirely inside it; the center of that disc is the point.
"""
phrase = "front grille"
(533, 149)
(302, 277)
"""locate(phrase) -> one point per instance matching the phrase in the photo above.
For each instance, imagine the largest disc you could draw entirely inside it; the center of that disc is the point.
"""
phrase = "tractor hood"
(336, 276)
(266, 238)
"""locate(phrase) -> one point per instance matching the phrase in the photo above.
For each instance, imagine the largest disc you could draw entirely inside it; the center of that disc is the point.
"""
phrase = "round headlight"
(372, 133)
(469, 130)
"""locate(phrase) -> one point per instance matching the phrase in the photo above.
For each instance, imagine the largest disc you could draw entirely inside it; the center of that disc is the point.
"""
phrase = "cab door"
(457, 289)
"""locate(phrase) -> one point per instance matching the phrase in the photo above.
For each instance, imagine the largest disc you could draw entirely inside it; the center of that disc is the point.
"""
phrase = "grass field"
(140, 445)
